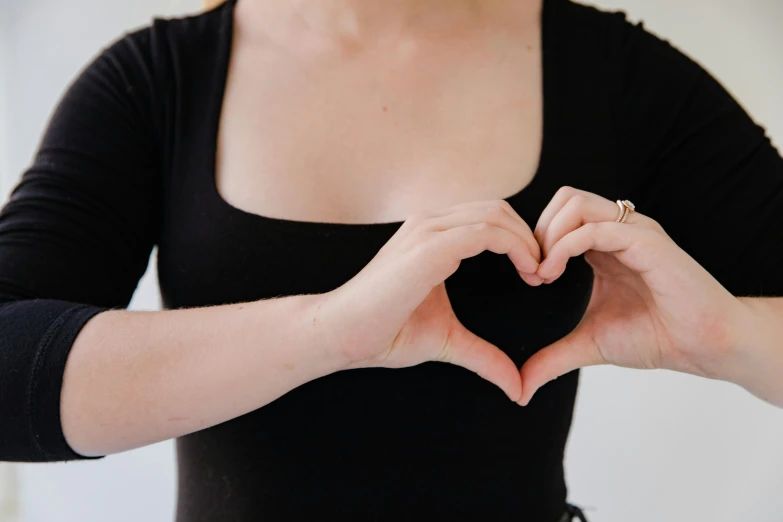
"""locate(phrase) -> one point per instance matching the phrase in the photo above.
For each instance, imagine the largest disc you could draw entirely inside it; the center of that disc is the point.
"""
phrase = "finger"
(557, 202)
(466, 349)
(569, 353)
(640, 249)
(582, 209)
(467, 241)
(480, 203)
(498, 213)
(531, 279)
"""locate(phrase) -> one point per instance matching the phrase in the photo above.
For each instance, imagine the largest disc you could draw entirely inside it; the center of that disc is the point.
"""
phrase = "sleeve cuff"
(47, 380)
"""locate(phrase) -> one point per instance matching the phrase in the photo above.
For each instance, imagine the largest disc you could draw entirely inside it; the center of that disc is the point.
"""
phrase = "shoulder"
(618, 61)
(614, 39)
(654, 93)
(138, 77)
(163, 41)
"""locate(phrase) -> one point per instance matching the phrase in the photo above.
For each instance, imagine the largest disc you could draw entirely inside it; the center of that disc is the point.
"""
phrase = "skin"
(653, 306)
(376, 111)
(370, 118)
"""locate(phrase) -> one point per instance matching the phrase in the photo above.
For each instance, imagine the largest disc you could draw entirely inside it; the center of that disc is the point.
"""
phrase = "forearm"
(136, 378)
(758, 357)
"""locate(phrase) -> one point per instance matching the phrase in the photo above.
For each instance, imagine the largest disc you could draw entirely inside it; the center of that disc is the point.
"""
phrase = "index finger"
(475, 211)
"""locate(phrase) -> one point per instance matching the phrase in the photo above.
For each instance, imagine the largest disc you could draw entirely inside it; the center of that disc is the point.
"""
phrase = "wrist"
(754, 359)
(325, 330)
(737, 353)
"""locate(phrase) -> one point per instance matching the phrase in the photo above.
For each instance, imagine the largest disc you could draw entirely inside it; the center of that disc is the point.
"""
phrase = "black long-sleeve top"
(127, 163)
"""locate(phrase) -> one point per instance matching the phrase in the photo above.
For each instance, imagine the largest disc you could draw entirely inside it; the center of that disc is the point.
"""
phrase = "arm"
(712, 178)
(759, 358)
(653, 306)
(692, 282)
(80, 377)
(714, 181)
(75, 237)
(135, 378)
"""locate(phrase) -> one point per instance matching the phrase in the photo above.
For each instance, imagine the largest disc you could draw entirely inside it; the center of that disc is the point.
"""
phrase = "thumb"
(466, 349)
(575, 350)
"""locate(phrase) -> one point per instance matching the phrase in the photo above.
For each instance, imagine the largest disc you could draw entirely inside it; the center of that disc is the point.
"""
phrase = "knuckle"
(494, 212)
(418, 241)
(566, 191)
(657, 238)
(591, 227)
(415, 220)
(577, 202)
(505, 205)
(482, 228)
(656, 226)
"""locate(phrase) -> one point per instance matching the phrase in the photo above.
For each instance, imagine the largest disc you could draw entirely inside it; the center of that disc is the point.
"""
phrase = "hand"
(652, 306)
(396, 313)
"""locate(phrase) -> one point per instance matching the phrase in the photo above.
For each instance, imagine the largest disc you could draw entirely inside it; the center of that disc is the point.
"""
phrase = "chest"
(305, 155)
(381, 135)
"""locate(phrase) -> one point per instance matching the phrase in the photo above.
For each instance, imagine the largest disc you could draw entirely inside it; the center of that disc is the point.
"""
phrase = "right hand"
(395, 312)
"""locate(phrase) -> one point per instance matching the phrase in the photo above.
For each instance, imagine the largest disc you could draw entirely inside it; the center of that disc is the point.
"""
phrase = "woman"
(328, 186)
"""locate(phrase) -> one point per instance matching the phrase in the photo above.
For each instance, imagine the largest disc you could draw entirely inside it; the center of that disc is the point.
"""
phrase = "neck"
(363, 21)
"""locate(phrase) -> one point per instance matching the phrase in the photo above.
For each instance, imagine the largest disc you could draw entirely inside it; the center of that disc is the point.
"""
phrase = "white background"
(646, 446)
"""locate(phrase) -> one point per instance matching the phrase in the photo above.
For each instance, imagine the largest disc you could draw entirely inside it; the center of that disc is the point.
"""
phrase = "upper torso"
(258, 176)
(324, 128)
(316, 165)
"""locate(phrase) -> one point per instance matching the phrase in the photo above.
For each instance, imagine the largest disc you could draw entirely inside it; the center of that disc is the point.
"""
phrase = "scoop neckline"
(224, 53)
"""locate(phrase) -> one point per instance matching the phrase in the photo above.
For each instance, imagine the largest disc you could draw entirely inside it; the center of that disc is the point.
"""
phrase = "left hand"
(652, 305)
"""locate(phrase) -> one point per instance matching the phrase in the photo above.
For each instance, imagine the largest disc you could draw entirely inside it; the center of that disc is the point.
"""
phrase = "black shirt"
(127, 163)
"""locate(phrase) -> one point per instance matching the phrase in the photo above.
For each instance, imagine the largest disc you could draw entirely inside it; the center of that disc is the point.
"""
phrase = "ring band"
(626, 208)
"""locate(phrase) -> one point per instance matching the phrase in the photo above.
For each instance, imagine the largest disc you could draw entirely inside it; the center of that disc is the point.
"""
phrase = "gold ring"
(626, 208)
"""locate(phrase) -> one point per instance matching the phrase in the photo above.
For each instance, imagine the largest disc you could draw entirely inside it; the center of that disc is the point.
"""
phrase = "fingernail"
(533, 265)
(530, 279)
